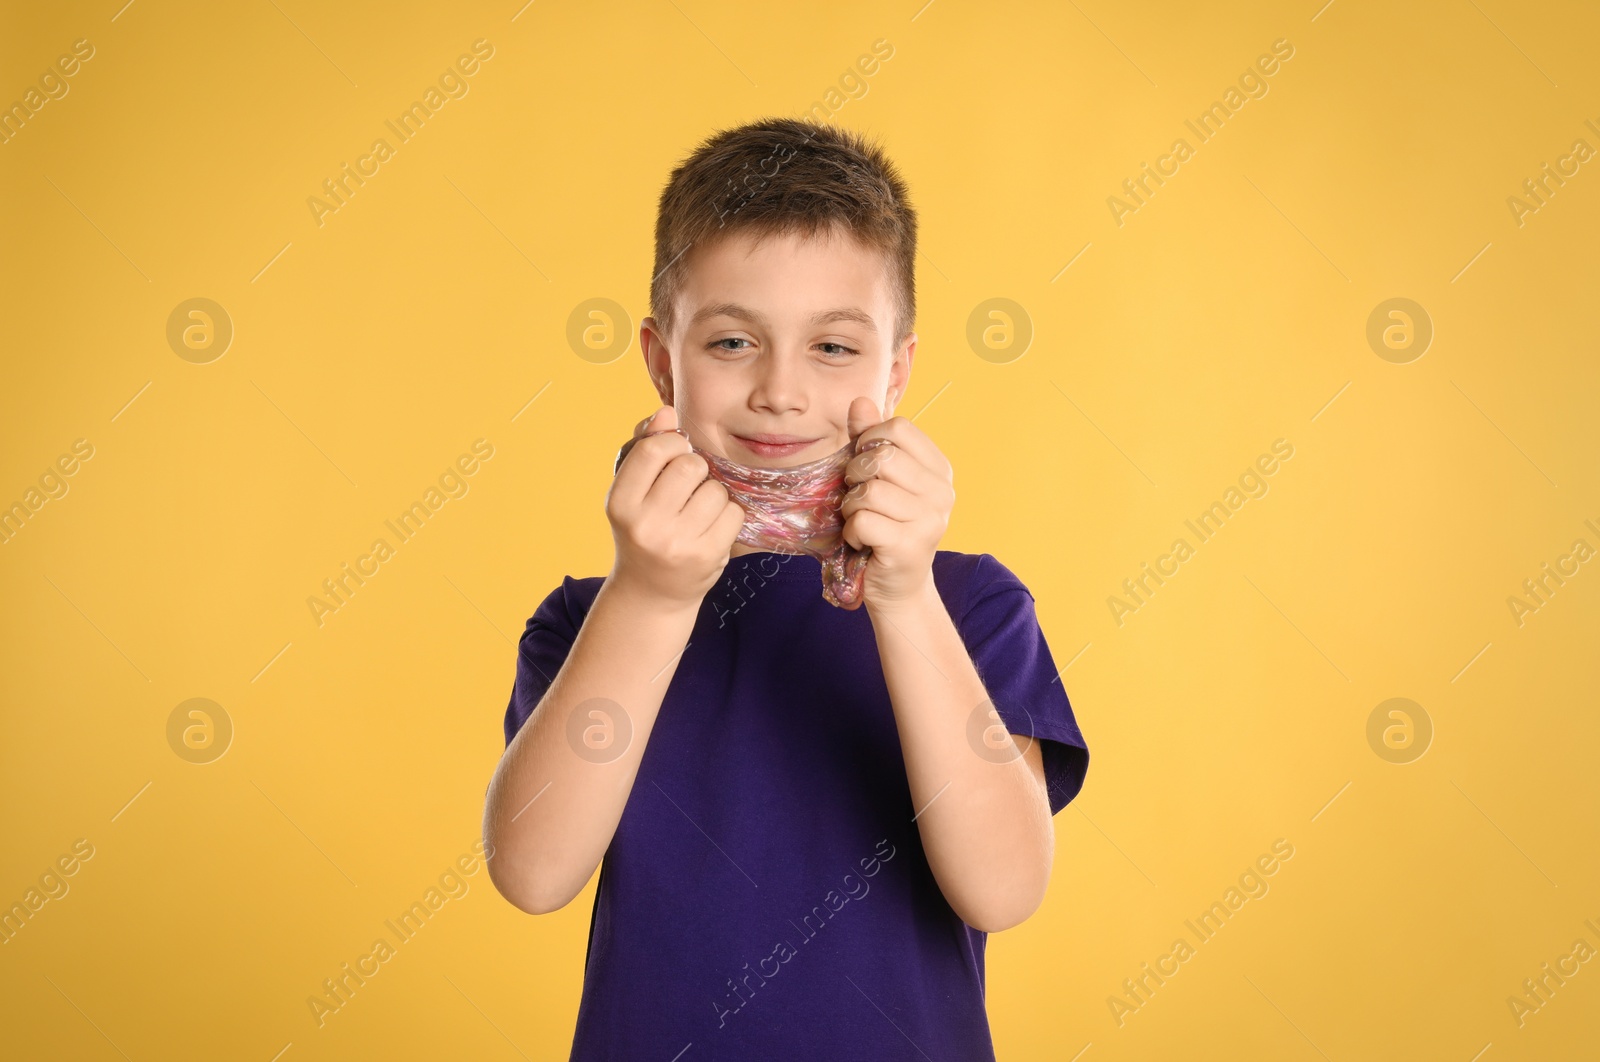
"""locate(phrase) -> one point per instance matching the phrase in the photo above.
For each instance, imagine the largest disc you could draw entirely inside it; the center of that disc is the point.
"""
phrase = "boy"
(806, 818)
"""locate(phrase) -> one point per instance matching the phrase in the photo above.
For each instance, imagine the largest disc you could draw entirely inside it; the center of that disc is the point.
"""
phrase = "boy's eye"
(838, 350)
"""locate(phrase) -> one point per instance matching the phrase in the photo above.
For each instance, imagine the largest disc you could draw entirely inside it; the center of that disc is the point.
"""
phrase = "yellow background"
(368, 352)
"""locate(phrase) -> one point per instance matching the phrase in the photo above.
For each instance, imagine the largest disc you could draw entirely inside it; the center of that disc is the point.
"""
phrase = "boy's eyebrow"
(744, 313)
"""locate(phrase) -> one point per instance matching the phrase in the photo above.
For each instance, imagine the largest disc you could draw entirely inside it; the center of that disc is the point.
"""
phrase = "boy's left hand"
(899, 504)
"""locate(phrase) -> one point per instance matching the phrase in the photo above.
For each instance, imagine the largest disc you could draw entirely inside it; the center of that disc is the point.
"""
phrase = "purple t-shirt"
(766, 894)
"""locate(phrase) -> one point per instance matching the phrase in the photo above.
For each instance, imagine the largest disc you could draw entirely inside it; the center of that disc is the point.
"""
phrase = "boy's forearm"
(559, 790)
(985, 825)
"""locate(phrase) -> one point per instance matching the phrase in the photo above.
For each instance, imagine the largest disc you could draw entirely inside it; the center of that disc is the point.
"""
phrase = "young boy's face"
(777, 339)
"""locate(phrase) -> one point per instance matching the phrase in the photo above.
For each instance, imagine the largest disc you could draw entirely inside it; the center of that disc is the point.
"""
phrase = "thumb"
(663, 419)
(863, 414)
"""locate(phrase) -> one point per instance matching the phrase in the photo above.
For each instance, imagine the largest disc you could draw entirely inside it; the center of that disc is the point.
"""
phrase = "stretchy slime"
(795, 511)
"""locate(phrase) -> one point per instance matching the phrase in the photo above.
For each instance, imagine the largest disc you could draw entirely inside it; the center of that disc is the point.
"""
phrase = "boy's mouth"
(774, 445)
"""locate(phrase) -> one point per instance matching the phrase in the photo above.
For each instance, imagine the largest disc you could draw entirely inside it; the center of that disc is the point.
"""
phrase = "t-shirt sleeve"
(543, 648)
(1001, 631)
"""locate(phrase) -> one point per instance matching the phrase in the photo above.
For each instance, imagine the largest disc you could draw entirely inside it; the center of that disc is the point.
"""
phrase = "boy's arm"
(984, 820)
(558, 792)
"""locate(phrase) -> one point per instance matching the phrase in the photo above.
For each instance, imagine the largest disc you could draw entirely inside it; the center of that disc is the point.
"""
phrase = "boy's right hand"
(673, 525)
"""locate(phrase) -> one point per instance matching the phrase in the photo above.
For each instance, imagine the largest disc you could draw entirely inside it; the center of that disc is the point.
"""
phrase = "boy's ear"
(900, 375)
(657, 358)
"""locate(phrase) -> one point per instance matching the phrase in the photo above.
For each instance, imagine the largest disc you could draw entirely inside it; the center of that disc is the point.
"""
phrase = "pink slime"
(795, 511)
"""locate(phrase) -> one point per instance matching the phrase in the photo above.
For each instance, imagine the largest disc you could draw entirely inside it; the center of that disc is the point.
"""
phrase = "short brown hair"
(781, 176)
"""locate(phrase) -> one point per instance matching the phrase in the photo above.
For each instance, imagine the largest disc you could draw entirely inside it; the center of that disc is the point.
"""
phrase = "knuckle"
(691, 463)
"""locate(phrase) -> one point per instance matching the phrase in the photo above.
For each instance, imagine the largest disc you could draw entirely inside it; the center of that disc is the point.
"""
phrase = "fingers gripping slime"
(795, 510)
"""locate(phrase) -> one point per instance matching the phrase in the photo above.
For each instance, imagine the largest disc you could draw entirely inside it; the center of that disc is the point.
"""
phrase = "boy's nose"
(778, 385)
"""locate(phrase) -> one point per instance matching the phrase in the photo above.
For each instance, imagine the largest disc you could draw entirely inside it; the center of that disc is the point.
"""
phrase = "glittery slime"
(796, 511)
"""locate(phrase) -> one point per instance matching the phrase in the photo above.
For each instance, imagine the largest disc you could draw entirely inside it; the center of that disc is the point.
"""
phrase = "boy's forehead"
(830, 275)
